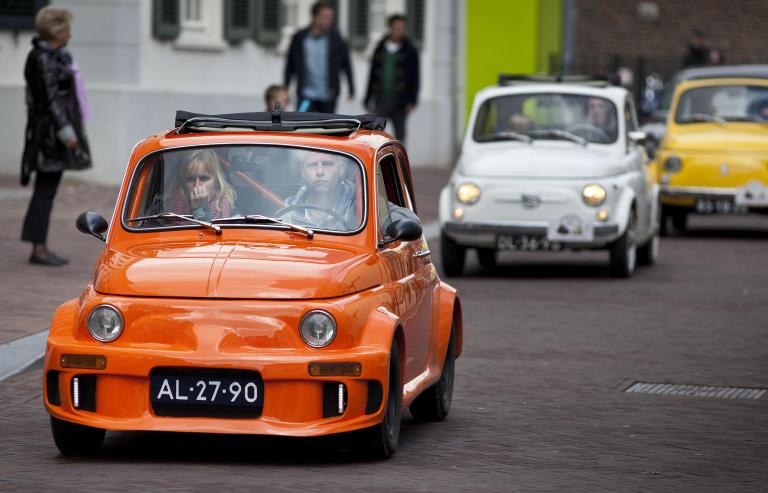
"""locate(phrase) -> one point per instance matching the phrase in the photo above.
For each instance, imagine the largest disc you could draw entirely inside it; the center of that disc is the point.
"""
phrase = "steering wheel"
(586, 130)
(294, 207)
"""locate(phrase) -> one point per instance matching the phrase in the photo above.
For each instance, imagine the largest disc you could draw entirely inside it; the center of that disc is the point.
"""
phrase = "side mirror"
(93, 224)
(637, 137)
(405, 230)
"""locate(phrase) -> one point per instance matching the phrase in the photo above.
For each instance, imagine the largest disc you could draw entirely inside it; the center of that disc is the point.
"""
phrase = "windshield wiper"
(702, 117)
(558, 134)
(746, 118)
(169, 215)
(258, 218)
(506, 135)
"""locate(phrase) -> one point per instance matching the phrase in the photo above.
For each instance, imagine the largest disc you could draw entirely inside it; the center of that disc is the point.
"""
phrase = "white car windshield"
(575, 117)
(244, 185)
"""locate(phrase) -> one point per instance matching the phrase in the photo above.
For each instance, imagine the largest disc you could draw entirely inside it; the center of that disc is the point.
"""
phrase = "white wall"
(136, 83)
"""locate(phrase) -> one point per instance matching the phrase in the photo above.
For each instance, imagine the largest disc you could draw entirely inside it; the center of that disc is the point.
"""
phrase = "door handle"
(422, 253)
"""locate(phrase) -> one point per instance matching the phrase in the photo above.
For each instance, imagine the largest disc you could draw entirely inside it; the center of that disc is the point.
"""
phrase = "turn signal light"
(335, 369)
(87, 361)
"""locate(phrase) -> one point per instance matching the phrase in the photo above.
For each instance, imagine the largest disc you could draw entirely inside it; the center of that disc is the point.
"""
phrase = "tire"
(487, 257)
(434, 403)
(453, 256)
(74, 439)
(623, 252)
(381, 441)
(663, 230)
(648, 253)
(680, 221)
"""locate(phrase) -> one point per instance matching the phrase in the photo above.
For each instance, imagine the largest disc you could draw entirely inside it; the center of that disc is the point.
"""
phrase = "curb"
(20, 354)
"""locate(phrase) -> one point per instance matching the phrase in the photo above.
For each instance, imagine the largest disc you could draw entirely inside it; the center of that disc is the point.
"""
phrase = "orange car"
(263, 274)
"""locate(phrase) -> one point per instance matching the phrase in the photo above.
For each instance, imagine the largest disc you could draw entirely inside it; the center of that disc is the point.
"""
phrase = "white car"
(551, 166)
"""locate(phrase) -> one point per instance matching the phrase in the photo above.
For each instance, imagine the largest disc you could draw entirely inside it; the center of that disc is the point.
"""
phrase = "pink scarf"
(179, 204)
(82, 99)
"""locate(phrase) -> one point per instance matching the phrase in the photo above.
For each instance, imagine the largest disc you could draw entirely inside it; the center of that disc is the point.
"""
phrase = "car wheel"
(623, 251)
(381, 441)
(434, 403)
(74, 439)
(487, 257)
(680, 221)
(453, 256)
(648, 253)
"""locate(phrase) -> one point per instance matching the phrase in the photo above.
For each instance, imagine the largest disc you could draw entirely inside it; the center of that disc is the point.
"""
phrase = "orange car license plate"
(207, 393)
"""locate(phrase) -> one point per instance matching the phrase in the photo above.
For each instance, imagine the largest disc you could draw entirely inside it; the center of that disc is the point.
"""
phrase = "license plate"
(207, 390)
(570, 228)
(526, 243)
(754, 194)
(719, 206)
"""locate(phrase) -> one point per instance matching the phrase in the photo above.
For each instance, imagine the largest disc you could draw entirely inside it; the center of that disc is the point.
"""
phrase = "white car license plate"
(570, 228)
(754, 194)
(530, 243)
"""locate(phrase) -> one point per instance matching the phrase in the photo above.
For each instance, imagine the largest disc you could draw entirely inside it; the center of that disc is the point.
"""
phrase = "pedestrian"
(698, 51)
(315, 57)
(393, 83)
(55, 139)
(277, 94)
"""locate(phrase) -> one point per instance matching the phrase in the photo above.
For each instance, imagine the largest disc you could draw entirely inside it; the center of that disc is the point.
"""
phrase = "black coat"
(406, 75)
(51, 106)
(338, 60)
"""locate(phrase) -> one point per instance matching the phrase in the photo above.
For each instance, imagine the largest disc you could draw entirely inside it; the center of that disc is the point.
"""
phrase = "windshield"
(246, 185)
(547, 116)
(723, 103)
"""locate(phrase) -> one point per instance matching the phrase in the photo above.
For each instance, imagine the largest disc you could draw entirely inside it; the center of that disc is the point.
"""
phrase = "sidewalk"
(29, 294)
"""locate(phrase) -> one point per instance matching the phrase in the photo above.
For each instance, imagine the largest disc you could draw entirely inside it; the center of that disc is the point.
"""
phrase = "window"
(389, 192)
(19, 15)
(238, 20)
(358, 24)
(201, 25)
(316, 189)
(165, 19)
(415, 11)
(268, 22)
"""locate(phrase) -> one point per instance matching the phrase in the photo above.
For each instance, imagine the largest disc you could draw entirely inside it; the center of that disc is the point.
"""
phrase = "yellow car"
(714, 156)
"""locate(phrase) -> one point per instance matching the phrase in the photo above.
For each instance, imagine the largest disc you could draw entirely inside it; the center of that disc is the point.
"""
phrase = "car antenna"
(276, 113)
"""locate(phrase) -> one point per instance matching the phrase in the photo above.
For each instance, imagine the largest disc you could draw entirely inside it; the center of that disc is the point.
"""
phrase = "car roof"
(614, 93)
(722, 71)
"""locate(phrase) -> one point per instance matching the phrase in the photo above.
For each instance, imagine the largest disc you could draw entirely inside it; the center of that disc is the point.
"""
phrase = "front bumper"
(293, 400)
(484, 234)
(687, 197)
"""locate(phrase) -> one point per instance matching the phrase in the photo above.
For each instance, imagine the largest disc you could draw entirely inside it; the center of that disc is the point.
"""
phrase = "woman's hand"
(71, 143)
(198, 197)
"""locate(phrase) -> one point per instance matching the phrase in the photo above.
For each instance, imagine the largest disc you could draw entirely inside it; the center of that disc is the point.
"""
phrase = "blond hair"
(224, 192)
(51, 21)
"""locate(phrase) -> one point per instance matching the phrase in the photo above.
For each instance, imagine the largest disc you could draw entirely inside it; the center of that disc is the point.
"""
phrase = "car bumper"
(690, 197)
(292, 399)
(484, 235)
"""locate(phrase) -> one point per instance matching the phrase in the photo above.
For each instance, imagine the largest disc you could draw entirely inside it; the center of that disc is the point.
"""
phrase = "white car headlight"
(468, 193)
(105, 323)
(317, 328)
(593, 195)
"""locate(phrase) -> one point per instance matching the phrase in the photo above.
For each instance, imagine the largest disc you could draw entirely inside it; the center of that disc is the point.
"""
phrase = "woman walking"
(55, 138)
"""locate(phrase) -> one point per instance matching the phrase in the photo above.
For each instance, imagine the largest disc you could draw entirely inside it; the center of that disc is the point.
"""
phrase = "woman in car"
(201, 189)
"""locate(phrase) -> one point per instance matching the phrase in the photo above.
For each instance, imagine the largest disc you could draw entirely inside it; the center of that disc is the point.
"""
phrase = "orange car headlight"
(105, 323)
(317, 328)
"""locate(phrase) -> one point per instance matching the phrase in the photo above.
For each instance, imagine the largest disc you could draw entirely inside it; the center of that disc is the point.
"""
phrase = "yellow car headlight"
(468, 193)
(593, 195)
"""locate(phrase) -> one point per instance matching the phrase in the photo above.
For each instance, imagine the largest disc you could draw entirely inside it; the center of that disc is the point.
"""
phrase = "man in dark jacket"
(393, 84)
(316, 56)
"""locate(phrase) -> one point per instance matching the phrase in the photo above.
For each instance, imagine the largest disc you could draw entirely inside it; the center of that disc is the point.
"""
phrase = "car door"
(402, 261)
(642, 181)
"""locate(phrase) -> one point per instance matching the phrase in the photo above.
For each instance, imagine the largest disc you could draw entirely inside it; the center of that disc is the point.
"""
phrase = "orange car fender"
(448, 311)
(381, 328)
(63, 323)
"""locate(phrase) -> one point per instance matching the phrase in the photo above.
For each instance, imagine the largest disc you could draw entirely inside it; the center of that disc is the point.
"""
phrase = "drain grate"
(696, 390)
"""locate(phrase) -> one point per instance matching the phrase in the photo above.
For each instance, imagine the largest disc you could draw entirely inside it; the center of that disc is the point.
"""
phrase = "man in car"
(601, 115)
(327, 200)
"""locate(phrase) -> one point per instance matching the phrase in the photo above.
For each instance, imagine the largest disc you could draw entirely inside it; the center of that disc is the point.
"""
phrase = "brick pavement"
(547, 341)
(29, 293)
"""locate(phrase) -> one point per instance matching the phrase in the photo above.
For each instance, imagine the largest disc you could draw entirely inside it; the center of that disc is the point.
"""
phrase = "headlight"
(105, 323)
(593, 195)
(317, 328)
(468, 193)
(673, 164)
